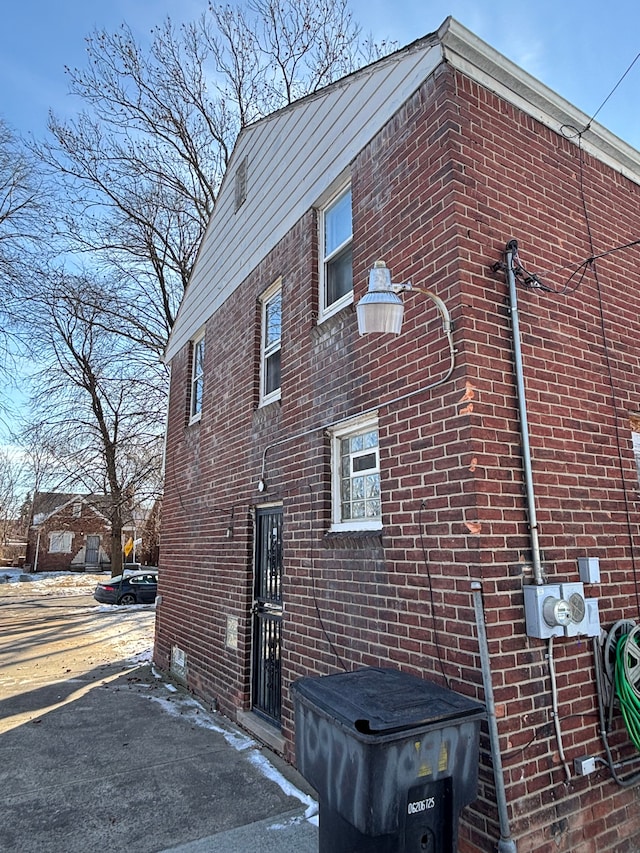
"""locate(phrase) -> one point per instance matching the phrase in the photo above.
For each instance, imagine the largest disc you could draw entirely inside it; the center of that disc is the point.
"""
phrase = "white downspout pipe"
(35, 562)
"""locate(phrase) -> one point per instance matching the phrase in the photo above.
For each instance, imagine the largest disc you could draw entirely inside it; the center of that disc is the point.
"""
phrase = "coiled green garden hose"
(626, 648)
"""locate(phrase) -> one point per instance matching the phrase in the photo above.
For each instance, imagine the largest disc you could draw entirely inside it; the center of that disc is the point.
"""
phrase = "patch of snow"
(57, 584)
(120, 608)
(189, 709)
(267, 769)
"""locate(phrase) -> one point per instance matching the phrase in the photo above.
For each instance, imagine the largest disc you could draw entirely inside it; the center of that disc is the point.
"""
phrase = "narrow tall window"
(355, 466)
(336, 250)
(271, 344)
(197, 378)
(635, 438)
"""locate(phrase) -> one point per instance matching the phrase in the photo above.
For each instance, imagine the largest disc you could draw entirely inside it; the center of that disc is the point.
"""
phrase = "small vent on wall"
(241, 184)
(178, 663)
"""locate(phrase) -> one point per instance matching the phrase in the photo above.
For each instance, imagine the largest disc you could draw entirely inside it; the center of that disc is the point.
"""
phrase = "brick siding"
(437, 194)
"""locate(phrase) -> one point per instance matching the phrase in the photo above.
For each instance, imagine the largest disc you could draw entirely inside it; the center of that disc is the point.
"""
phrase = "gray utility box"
(394, 759)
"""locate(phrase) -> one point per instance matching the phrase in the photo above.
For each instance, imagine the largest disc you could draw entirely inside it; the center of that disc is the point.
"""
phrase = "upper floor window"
(635, 438)
(271, 344)
(197, 379)
(355, 468)
(337, 266)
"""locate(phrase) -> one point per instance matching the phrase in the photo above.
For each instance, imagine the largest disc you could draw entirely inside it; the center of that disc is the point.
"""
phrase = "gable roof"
(48, 504)
(295, 155)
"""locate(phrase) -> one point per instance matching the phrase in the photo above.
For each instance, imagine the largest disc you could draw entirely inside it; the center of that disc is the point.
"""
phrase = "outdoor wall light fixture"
(381, 309)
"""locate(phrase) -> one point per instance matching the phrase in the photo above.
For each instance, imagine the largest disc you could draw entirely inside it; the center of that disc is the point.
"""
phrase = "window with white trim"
(635, 438)
(355, 471)
(336, 274)
(271, 337)
(197, 379)
(60, 541)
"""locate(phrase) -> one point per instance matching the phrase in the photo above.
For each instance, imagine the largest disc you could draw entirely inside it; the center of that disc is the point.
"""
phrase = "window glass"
(337, 219)
(271, 345)
(60, 542)
(356, 477)
(197, 378)
(636, 451)
(337, 277)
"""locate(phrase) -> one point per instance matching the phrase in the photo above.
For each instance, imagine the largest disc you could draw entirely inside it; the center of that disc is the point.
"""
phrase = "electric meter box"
(560, 610)
(534, 597)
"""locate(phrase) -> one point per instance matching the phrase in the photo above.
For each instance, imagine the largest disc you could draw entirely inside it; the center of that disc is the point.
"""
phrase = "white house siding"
(293, 157)
(296, 154)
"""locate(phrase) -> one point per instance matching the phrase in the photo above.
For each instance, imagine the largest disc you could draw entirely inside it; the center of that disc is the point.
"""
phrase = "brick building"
(331, 498)
(68, 531)
(72, 531)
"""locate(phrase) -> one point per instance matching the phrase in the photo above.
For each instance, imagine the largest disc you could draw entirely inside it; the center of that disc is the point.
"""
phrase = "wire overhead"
(588, 124)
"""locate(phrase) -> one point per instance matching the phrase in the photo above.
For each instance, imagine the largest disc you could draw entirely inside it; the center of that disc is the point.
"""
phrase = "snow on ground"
(136, 647)
(186, 707)
(59, 584)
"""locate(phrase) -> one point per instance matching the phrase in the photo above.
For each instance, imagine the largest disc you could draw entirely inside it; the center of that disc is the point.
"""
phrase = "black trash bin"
(393, 758)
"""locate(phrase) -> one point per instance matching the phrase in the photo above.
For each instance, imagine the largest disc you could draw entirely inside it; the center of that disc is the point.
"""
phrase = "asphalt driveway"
(97, 752)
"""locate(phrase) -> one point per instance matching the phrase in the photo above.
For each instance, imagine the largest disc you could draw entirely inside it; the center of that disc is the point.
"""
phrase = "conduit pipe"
(538, 578)
(506, 843)
(512, 251)
(555, 711)
(448, 331)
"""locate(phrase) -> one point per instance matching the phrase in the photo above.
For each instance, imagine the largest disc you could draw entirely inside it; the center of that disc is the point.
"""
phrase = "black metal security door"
(93, 548)
(267, 615)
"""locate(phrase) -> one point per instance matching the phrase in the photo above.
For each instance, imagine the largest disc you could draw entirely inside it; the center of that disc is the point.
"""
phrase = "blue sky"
(580, 48)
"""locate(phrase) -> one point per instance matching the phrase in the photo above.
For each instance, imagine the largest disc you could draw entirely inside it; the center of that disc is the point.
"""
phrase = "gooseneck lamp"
(381, 309)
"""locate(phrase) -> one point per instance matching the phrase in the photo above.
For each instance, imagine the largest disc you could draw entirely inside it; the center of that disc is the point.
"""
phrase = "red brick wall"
(86, 524)
(437, 194)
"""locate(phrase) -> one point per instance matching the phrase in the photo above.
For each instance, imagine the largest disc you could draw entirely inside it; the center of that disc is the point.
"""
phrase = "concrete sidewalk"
(116, 759)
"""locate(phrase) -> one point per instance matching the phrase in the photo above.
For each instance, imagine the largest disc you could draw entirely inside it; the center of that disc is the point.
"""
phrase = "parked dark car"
(138, 588)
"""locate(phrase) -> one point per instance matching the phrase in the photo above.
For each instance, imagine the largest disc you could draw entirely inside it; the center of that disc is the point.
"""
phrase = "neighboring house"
(330, 499)
(70, 532)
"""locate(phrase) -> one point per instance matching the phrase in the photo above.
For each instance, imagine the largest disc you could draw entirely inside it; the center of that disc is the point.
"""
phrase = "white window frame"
(197, 378)
(326, 311)
(358, 426)
(635, 438)
(269, 347)
(60, 541)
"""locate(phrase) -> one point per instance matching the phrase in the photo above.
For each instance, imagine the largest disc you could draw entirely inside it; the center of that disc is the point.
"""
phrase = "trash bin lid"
(382, 701)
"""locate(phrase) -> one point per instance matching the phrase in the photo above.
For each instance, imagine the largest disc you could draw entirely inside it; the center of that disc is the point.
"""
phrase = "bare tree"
(135, 176)
(21, 224)
(142, 163)
(100, 403)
